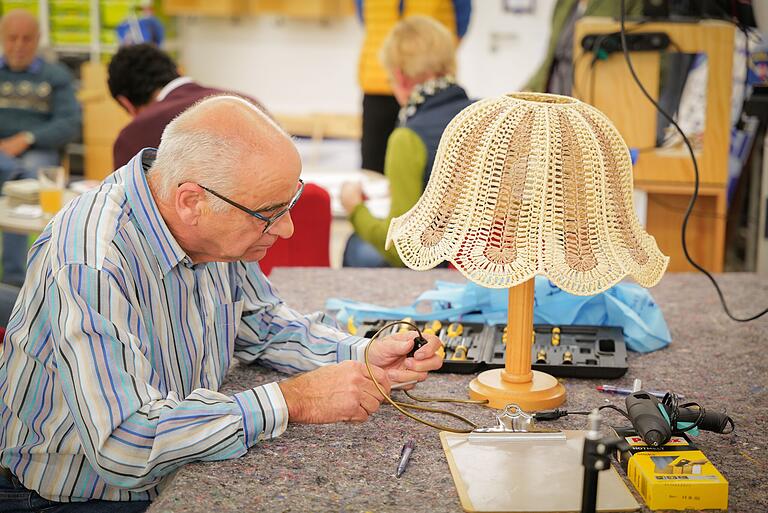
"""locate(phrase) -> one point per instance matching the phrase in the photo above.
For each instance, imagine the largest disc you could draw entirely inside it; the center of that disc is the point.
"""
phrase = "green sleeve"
(404, 166)
(538, 82)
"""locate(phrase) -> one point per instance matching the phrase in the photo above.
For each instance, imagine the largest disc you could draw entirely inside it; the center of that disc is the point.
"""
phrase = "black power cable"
(695, 194)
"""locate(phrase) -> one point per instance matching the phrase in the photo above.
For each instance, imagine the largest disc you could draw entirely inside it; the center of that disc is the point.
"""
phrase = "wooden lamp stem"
(517, 362)
(516, 383)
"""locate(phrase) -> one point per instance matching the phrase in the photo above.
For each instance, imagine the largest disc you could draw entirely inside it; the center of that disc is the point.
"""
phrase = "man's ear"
(190, 203)
(127, 105)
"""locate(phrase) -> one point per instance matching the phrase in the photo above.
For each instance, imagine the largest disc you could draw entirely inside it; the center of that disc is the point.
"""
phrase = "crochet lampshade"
(528, 184)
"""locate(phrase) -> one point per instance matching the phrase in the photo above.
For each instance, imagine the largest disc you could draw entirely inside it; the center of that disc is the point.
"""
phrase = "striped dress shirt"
(118, 344)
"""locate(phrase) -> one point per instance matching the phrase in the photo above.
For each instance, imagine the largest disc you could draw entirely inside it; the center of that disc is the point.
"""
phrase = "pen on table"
(405, 455)
(626, 391)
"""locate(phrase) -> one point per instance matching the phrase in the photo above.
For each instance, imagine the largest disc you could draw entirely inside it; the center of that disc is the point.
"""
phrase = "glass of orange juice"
(51, 180)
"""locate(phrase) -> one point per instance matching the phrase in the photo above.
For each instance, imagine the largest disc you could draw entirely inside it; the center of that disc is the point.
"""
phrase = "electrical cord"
(695, 194)
(692, 413)
(402, 407)
(671, 404)
(559, 413)
(594, 49)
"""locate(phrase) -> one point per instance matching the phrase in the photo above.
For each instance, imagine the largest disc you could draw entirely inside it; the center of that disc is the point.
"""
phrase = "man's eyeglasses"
(268, 220)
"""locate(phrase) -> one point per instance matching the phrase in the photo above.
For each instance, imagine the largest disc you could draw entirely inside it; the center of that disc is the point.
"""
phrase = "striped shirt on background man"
(118, 343)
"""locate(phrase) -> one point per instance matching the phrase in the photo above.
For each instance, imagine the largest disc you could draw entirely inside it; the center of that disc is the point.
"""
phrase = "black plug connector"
(550, 414)
(418, 342)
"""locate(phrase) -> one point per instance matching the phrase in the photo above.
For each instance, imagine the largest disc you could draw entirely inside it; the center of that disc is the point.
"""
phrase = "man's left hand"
(390, 353)
(14, 145)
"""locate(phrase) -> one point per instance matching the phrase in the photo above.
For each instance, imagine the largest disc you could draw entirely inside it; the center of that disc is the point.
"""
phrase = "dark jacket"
(433, 116)
(146, 128)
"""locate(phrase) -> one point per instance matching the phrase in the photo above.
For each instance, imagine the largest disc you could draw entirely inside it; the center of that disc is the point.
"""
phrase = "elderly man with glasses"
(137, 297)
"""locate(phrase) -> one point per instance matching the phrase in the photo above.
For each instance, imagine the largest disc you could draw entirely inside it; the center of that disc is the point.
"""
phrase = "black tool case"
(563, 351)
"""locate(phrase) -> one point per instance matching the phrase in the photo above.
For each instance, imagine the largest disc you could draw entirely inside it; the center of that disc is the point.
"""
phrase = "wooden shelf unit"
(667, 175)
(103, 118)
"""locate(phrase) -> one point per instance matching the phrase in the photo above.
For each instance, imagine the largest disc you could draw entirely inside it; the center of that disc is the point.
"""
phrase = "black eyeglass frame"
(268, 220)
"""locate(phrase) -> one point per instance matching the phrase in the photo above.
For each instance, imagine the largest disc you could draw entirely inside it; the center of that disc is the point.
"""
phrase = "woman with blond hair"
(420, 57)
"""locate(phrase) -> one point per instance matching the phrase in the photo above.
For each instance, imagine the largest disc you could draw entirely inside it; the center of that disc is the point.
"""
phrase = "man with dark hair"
(146, 82)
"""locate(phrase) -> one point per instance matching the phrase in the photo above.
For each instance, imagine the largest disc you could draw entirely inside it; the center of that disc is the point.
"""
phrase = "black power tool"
(645, 413)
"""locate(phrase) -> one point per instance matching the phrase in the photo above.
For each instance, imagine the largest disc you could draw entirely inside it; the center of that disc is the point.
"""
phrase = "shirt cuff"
(265, 414)
(351, 348)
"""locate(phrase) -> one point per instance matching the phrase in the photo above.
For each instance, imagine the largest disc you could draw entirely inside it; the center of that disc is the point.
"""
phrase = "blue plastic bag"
(625, 305)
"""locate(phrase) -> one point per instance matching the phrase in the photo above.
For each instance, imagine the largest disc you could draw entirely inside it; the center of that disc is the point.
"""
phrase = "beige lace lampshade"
(528, 184)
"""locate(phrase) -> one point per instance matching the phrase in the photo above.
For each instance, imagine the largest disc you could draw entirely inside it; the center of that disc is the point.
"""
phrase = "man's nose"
(283, 228)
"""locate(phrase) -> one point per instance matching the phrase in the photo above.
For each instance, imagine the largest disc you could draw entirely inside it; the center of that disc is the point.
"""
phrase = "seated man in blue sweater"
(38, 116)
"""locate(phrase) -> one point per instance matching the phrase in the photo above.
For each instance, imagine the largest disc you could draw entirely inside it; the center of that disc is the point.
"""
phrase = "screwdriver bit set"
(564, 351)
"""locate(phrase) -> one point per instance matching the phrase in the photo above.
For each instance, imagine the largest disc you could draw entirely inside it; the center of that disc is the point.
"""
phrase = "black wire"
(616, 408)
(671, 405)
(609, 406)
(695, 194)
(597, 44)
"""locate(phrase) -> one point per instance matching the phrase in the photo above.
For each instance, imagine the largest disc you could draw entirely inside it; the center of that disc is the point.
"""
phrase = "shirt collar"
(35, 67)
(170, 86)
(145, 211)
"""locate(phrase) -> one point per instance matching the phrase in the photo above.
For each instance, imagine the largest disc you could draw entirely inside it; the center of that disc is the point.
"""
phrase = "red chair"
(311, 241)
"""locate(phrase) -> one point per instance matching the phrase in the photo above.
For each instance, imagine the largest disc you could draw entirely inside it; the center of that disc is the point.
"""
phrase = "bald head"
(228, 115)
(223, 141)
(20, 34)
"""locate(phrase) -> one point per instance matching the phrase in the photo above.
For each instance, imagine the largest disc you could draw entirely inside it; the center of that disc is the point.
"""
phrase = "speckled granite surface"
(350, 467)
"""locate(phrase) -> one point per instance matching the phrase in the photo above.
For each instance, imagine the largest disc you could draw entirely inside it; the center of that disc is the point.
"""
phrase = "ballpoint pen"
(626, 391)
(405, 455)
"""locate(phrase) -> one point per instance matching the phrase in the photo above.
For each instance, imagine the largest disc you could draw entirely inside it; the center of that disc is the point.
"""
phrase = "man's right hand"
(340, 392)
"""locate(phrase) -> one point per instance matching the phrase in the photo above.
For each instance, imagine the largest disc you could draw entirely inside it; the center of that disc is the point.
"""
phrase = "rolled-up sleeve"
(284, 339)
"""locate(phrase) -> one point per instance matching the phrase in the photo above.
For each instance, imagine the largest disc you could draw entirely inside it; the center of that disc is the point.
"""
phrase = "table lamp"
(528, 184)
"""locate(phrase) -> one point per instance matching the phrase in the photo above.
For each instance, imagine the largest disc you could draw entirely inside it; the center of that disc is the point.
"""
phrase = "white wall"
(502, 50)
(299, 67)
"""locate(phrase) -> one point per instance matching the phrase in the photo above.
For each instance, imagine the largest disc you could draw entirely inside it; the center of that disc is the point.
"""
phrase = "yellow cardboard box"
(674, 476)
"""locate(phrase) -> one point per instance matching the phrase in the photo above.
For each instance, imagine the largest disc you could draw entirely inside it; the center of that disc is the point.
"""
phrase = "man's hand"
(351, 195)
(14, 145)
(389, 353)
(341, 392)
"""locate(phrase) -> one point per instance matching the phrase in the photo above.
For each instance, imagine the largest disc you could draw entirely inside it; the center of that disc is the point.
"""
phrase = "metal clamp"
(515, 424)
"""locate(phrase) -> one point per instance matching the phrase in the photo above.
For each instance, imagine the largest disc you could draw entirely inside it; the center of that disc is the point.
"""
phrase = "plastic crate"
(114, 12)
(64, 37)
(69, 23)
(70, 7)
(9, 5)
(108, 36)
